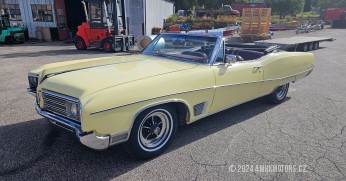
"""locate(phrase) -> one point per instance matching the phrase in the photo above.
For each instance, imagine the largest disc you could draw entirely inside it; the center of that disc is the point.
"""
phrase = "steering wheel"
(207, 47)
(196, 54)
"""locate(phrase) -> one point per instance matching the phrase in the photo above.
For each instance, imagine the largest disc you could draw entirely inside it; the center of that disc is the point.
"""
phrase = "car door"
(236, 83)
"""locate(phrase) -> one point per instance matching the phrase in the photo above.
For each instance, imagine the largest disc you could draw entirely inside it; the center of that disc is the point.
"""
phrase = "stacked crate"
(255, 24)
(230, 19)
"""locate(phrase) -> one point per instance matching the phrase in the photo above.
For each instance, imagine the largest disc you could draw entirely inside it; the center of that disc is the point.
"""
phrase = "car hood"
(87, 80)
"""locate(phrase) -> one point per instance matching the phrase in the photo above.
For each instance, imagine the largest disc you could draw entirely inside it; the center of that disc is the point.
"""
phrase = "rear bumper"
(88, 139)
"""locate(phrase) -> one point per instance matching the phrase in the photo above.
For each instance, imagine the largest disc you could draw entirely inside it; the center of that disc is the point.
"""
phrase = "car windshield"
(184, 47)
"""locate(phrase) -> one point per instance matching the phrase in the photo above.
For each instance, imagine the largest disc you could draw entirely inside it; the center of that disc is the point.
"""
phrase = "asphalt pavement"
(304, 138)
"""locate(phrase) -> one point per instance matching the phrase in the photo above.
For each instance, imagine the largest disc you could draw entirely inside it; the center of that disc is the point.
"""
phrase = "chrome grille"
(56, 103)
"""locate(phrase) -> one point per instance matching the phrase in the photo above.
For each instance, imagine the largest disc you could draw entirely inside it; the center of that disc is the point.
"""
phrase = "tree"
(307, 6)
(210, 4)
(286, 7)
(324, 4)
(184, 4)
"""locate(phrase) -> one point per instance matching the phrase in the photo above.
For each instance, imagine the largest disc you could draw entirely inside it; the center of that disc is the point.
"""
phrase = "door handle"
(257, 69)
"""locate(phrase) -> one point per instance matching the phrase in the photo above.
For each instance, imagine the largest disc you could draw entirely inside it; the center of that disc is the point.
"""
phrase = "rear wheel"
(316, 45)
(152, 132)
(80, 44)
(304, 47)
(311, 46)
(279, 94)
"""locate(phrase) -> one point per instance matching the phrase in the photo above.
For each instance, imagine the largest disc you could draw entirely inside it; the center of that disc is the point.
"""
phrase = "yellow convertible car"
(141, 99)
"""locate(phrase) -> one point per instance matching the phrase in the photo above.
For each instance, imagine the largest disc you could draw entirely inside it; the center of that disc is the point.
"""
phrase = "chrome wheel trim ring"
(159, 134)
(281, 91)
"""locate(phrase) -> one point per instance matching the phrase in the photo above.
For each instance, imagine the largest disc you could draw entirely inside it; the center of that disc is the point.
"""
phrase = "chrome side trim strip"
(212, 87)
(96, 112)
(226, 85)
(310, 69)
(225, 108)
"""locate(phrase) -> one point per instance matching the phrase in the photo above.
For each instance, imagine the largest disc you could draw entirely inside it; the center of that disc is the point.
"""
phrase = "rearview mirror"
(230, 59)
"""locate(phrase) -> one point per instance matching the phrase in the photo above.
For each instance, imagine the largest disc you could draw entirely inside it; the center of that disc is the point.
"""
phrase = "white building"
(143, 15)
(27, 13)
(65, 15)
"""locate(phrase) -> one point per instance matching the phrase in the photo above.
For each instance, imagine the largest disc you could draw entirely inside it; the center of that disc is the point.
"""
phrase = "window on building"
(42, 12)
(12, 10)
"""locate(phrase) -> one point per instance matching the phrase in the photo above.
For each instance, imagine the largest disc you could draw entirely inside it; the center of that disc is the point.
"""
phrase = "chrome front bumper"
(88, 139)
(31, 91)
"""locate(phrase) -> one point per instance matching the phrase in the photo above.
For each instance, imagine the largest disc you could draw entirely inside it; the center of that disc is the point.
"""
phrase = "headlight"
(72, 110)
(33, 81)
(38, 98)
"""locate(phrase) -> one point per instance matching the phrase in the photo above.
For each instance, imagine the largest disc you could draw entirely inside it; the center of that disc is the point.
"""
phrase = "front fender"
(113, 110)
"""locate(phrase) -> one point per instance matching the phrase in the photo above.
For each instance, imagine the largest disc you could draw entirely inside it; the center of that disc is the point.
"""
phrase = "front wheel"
(152, 132)
(108, 47)
(279, 94)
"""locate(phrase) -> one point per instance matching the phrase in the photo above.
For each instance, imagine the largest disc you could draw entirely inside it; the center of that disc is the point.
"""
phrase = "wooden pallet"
(255, 24)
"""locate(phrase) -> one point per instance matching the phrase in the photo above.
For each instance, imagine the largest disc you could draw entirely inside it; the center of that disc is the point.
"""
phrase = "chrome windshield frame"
(218, 45)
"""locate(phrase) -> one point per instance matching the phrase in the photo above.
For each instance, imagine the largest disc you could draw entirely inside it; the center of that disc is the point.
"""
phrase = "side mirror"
(230, 59)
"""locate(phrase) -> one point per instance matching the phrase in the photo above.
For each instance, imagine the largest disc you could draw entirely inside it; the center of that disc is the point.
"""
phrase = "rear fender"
(285, 67)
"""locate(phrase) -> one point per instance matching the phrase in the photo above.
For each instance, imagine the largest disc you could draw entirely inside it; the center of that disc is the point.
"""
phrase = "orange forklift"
(105, 26)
